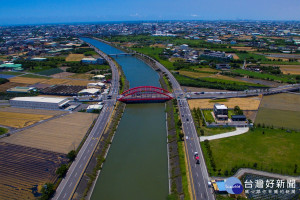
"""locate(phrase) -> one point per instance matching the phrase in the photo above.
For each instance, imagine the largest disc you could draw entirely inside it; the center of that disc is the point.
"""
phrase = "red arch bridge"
(145, 94)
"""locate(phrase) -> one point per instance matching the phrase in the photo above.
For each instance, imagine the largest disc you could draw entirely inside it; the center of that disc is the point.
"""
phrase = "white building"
(52, 103)
(91, 108)
(94, 61)
(90, 91)
(98, 85)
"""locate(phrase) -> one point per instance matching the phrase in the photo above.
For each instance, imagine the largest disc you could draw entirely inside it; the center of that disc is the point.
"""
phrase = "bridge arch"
(145, 94)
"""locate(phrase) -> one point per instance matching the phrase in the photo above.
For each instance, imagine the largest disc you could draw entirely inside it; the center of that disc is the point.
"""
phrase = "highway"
(198, 175)
(69, 184)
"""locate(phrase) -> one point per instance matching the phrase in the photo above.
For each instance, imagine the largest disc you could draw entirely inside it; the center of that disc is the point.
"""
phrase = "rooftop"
(40, 99)
(220, 106)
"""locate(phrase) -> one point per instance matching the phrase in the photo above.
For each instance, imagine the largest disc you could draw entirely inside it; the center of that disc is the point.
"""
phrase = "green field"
(11, 73)
(272, 150)
(252, 74)
(208, 116)
(3, 130)
(217, 130)
(278, 118)
(35, 76)
(49, 72)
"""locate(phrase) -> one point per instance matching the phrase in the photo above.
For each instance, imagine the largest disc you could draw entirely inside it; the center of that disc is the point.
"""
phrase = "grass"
(280, 78)
(218, 100)
(278, 118)
(51, 71)
(3, 130)
(35, 76)
(11, 73)
(208, 116)
(272, 150)
(217, 130)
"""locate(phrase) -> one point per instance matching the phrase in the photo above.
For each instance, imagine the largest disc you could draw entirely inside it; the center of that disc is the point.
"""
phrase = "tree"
(62, 170)
(71, 155)
(237, 110)
(47, 191)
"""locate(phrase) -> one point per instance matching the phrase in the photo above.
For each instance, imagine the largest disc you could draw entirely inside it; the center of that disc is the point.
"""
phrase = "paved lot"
(238, 131)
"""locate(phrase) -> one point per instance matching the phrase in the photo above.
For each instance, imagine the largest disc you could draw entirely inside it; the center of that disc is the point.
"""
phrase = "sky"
(68, 11)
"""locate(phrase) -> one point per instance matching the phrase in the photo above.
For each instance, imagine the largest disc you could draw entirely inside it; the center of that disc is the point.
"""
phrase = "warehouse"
(90, 91)
(51, 103)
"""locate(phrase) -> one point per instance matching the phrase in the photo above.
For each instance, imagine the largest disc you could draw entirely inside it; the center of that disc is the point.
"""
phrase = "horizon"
(22, 12)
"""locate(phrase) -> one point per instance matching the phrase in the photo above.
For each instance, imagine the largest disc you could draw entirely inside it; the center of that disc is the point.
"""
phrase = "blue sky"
(60, 11)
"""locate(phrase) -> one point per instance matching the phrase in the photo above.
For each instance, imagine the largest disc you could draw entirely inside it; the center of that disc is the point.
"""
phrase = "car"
(196, 156)
(182, 115)
(187, 119)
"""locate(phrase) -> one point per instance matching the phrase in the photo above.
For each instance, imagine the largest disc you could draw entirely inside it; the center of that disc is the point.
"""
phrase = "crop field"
(66, 82)
(194, 74)
(49, 72)
(290, 69)
(32, 111)
(81, 76)
(271, 150)
(250, 103)
(244, 48)
(25, 169)
(20, 120)
(26, 80)
(58, 135)
(74, 57)
(62, 74)
(64, 90)
(281, 110)
(205, 69)
(5, 86)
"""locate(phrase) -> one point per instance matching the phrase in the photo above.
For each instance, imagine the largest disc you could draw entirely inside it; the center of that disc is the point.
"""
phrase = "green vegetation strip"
(3, 130)
(266, 149)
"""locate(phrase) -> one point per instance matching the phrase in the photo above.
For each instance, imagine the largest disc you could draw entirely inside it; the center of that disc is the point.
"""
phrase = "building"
(89, 91)
(223, 66)
(92, 108)
(39, 59)
(216, 55)
(93, 61)
(51, 103)
(221, 112)
(11, 66)
(99, 77)
(184, 47)
(238, 118)
(22, 90)
(98, 85)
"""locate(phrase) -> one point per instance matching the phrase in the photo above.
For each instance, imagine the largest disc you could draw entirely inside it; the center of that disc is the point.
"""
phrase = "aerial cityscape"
(155, 100)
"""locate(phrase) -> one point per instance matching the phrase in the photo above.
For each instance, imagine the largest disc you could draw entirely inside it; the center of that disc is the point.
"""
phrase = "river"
(136, 166)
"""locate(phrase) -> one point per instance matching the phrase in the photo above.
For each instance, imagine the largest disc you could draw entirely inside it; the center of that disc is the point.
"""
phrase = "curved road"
(69, 184)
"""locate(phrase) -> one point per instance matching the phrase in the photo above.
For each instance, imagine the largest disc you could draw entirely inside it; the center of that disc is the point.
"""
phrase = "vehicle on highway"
(196, 156)
(187, 119)
(108, 96)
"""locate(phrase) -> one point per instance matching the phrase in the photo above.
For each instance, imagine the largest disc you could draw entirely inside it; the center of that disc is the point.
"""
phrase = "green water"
(136, 167)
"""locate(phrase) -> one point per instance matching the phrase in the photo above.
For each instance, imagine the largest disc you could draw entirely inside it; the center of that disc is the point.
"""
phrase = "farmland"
(31, 111)
(5, 86)
(25, 170)
(290, 69)
(280, 152)
(74, 57)
(250, 103)
(281, 110)
(58, 135)
(20, 120)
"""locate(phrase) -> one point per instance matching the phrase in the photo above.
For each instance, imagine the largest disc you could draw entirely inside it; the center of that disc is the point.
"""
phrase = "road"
(198, 174)
(255, 92)
(69, 184)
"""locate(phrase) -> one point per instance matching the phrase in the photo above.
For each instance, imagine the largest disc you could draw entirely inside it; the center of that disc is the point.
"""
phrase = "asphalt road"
(69, 184)
(198, 174)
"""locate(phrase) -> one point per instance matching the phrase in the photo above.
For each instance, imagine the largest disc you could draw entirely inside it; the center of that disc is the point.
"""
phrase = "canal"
(136, 166)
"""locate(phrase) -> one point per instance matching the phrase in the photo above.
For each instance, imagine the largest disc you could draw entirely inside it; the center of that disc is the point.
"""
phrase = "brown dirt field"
(276, 58)
(31, 111)
(59, 135)
(218, 76)
(82, 76)
(244, 48)
(206, 70)
(74, 57)
(26, 80)
(66, 82)
(290, 69)
(175, 59)
(20, 120)
(250, 115)
(194, 74)
(62, 75)
(5, 86)
(281, 101)
(195, 89)
(235, 57)
(158, 45)
(251, 103)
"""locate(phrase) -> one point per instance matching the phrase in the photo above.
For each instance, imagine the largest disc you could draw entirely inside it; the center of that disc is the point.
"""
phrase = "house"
(223, 66)
(238, 118)
(221, 112)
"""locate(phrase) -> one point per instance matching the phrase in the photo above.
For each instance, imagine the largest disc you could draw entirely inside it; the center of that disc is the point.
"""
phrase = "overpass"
(121, 54)
(145, 94)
